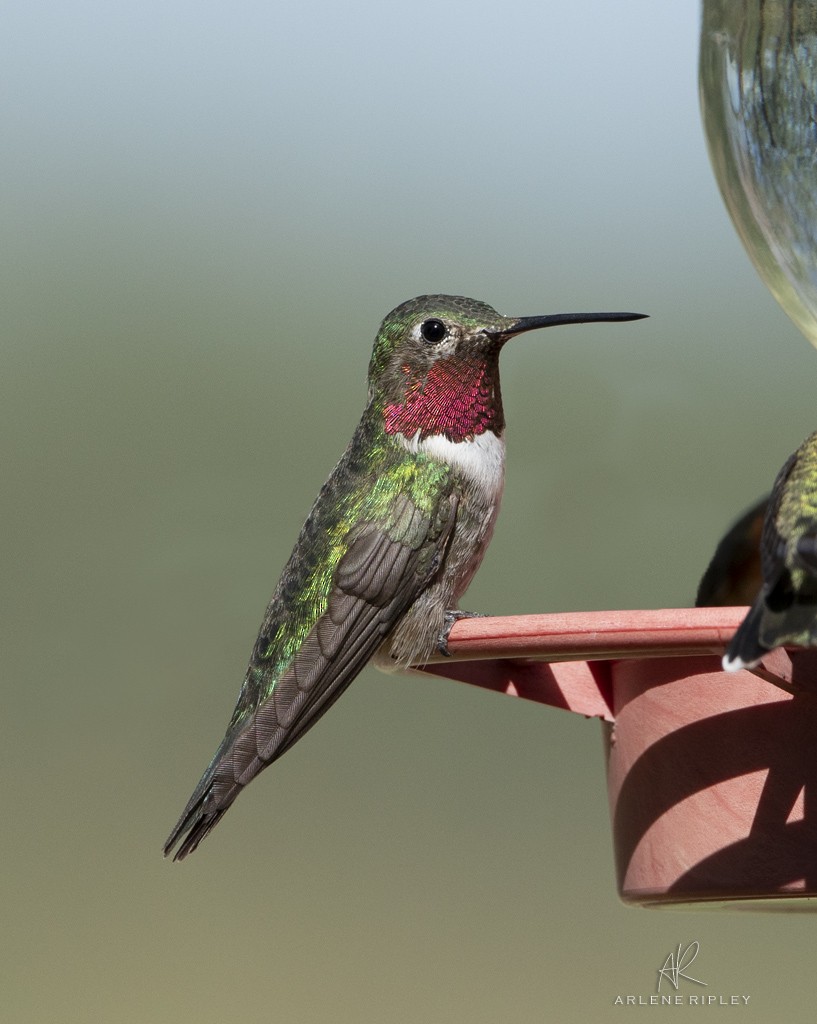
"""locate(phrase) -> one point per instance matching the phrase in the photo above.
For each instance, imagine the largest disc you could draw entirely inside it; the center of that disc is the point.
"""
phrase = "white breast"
(482, 459)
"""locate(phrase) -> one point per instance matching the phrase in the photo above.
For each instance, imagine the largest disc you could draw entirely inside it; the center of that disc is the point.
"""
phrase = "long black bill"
(533, 323)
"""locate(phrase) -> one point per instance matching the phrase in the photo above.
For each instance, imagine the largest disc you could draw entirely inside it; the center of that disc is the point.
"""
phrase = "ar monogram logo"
(676, 968)
(677, 964)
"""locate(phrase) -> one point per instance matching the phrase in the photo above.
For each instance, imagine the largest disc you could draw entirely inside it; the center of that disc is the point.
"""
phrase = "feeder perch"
(711, 776)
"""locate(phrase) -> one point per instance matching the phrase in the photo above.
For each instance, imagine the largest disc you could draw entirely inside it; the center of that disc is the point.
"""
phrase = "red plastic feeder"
(711, 776)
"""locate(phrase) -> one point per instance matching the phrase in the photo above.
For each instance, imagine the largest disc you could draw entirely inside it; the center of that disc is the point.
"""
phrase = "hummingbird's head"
(435, 365)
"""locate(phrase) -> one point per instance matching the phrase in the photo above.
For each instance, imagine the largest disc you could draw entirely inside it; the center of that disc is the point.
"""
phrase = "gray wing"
(377, 579)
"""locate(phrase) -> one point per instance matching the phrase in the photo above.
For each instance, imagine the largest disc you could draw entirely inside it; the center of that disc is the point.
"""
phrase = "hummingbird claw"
(451, 616)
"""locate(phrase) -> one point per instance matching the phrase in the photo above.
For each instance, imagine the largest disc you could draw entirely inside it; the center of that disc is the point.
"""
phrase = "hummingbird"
(391, 543)
(785, 610)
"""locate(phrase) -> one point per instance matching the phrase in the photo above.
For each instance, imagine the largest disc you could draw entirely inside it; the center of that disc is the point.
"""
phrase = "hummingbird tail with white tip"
(746, 649)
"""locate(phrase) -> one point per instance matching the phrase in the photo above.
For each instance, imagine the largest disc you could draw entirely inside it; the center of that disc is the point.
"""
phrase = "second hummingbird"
(391, 543)
(785, 610)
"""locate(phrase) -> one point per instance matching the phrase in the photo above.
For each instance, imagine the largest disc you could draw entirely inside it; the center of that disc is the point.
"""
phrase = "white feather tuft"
(481, 459)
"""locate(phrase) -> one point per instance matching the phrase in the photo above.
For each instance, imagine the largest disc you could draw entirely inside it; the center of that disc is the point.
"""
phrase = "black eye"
(433, 331)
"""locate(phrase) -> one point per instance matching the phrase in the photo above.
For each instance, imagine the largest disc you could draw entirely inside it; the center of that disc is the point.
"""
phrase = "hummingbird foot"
(451, 616)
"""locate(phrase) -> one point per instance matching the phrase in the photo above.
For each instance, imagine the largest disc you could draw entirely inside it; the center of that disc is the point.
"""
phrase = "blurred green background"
(207, 209)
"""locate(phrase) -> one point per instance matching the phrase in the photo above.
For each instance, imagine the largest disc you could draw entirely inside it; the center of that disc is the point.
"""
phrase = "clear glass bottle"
(758, 83)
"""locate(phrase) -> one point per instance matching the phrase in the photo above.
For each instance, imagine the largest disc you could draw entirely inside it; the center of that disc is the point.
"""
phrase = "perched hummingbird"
(785, 610)
(392, 541)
